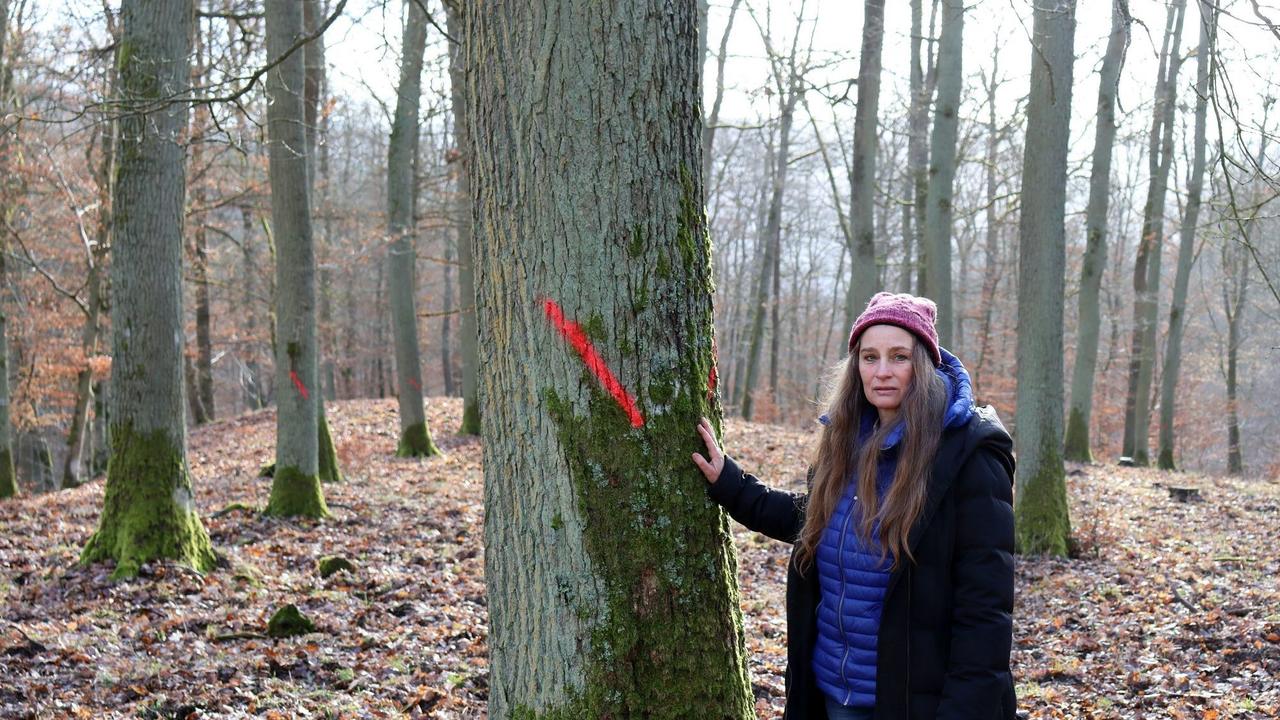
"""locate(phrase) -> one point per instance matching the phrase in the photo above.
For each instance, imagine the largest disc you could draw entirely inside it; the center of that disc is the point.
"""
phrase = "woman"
(900, 585)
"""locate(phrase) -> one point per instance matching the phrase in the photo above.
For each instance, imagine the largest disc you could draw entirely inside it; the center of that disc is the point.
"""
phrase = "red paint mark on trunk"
(297, 382)
(572, 332)
(415, 384)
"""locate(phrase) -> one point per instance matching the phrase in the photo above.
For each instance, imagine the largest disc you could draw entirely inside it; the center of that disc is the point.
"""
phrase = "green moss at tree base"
(330, 472)
(1164, 460)
(8, 478)
(294, 493)
(470, 418)
(1076, 444)
(415, 441)
(149, 510)
(1043, 525)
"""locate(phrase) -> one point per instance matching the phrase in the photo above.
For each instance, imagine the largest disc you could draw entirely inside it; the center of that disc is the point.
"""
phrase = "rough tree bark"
(596, 329)
(862, 178)
(1186, 243)
(1146, 269)
(942, 166)
(149, 508)
(295, 486)
(415, 438)
(1076, 446)
(1043, 522)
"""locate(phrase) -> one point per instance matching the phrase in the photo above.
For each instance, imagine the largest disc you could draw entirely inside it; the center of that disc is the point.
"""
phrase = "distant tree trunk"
(992, 268)
(942, 167)
(446, 324)
(295, 487)
(149, 508)
(604, 258)
(251, 382)
(1043, 521)
(1234, 295)
(1186, 245)
(201, 385)
(1076, 446)
(8, 475)
(862, 180)
(918, 147)
(713, 118)
(313, 90)
(771, 239)
(415, 438)
(1146, 270)
(463, 218)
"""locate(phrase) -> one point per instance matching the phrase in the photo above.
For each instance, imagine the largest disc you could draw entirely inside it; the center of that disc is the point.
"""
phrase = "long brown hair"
(839, 451)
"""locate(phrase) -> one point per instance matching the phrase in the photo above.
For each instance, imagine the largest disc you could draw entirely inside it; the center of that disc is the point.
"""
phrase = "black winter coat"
(946, 630)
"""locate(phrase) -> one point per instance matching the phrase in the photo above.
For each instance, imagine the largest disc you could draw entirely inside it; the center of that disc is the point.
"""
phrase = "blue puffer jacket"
(852, 576)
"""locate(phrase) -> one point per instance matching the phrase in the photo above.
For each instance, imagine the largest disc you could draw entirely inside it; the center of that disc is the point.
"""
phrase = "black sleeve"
(982, 572)
(775, 513)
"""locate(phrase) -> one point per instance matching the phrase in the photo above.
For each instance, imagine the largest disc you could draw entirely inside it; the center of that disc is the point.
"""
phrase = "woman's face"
(884, 362)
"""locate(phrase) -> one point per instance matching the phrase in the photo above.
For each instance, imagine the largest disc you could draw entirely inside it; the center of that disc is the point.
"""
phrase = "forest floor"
(1171, 610)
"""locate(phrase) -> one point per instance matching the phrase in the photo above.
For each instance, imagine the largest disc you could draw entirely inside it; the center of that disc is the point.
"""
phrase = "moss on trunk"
(470, 417)
(149, 511)
(330, 471)
(296, 493)
(1165, 460)
(415, 441)
(1076, 445)
(8, 479)
(1041, 515)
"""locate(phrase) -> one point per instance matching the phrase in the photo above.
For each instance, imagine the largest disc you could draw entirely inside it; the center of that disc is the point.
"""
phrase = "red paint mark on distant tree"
(572, 332)
(415, 384)
(297, 382)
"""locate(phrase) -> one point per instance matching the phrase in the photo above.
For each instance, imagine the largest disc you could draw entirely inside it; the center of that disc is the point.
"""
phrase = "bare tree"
(1043, 520)
(149, 507)
(1186, 244)
(1088, 320)
(942, 167)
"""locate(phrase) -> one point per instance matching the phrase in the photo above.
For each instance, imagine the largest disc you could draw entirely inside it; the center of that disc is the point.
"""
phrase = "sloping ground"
(1173, 609)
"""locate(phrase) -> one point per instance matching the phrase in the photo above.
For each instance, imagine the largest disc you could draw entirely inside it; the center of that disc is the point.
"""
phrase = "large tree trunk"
(942, 166)
(1088, 322)
(1042, 518)
(1186, 244)
(295, 487)
(594, 267)
(149, 508)
(462, 220)
(862, 180)
(1146, 270)
(415, 438)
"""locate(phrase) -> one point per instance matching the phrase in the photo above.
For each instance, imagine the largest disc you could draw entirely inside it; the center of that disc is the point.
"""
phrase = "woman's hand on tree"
(714, 462)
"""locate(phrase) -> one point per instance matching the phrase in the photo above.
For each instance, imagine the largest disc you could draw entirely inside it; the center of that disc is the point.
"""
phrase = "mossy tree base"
(1165, 459)
(1040, 515)
(470, 418)
(294, 493)
(8, 478)
(330, 472)
(149, 510)
(415, 441)
(1076, 445)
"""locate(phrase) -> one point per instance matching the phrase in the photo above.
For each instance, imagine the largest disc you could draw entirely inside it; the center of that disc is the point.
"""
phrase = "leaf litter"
(1170, 609)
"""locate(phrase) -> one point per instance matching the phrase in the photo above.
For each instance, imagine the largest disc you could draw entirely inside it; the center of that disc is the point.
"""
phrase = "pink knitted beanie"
(914, 314)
